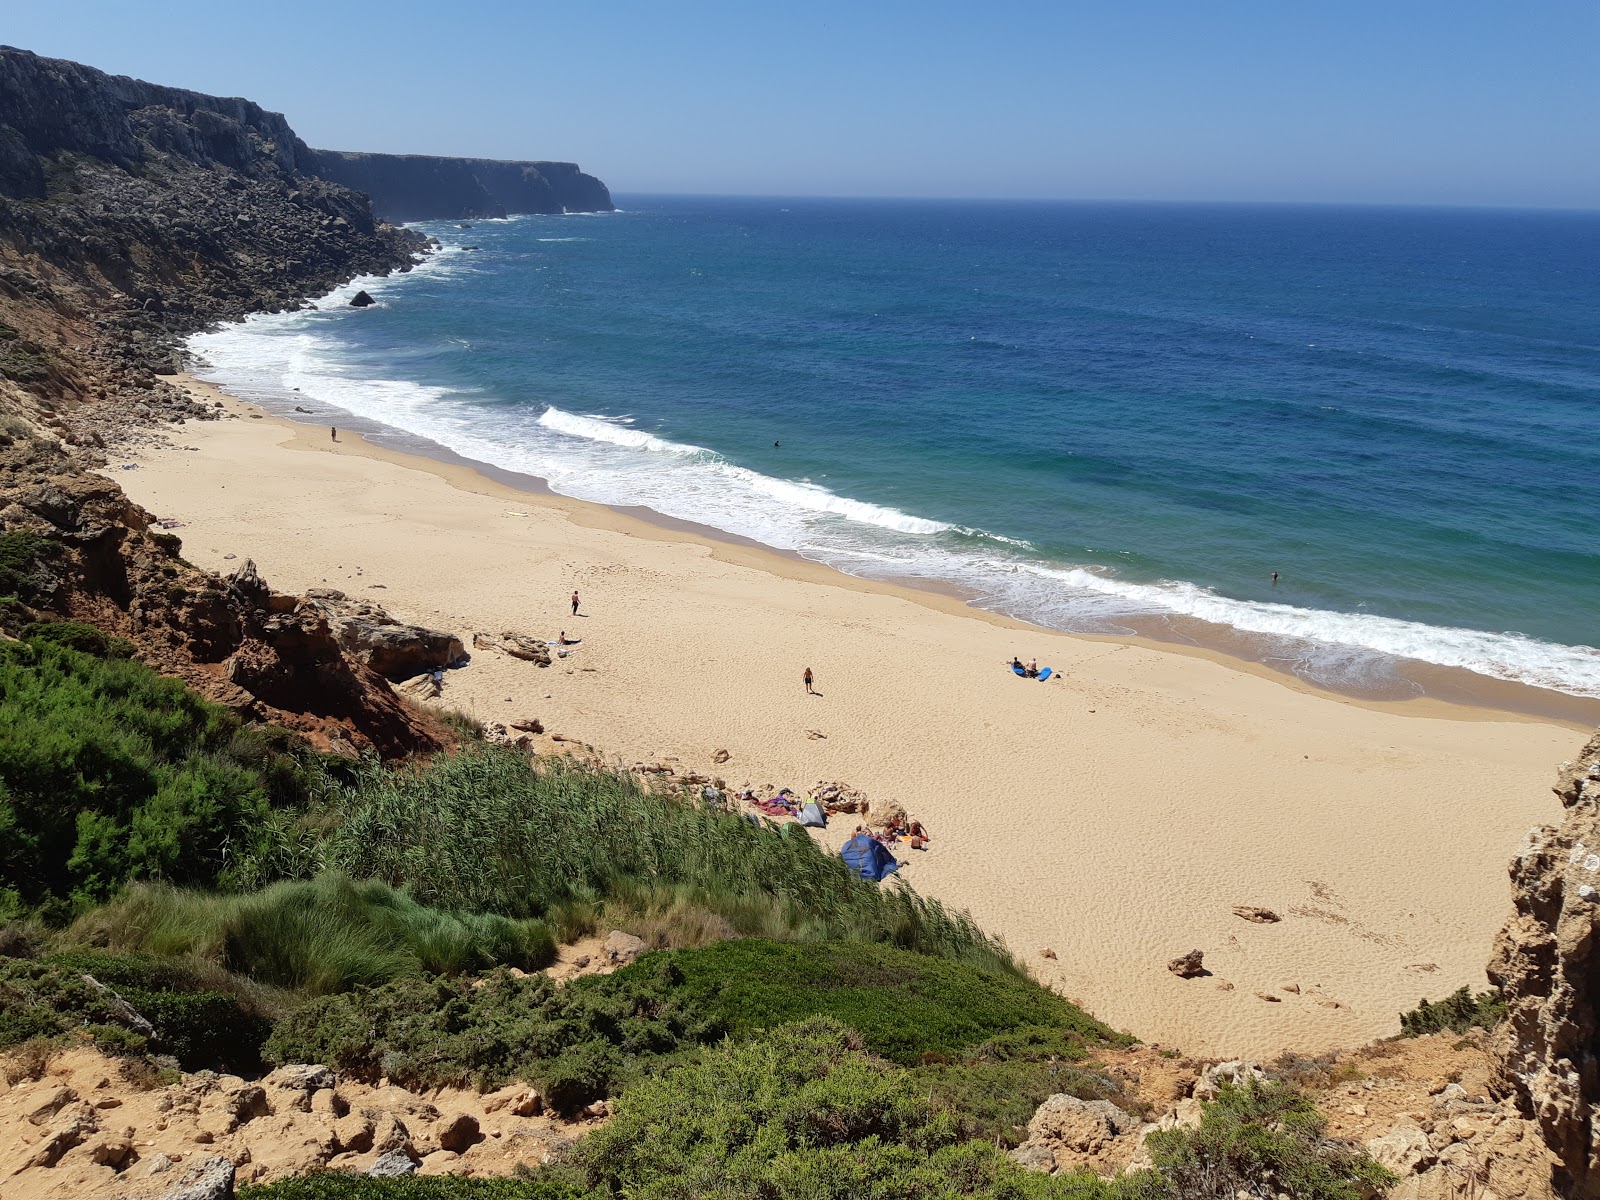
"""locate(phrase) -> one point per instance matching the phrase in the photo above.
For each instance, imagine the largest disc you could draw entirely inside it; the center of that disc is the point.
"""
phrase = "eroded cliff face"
(1547, 963)
(419, 187)
(131, 214)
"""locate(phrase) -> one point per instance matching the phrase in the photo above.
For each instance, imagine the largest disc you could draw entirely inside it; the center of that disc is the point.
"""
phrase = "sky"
(1465, 102)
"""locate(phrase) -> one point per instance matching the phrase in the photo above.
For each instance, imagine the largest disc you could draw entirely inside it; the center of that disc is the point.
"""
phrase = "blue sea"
(1095, 417)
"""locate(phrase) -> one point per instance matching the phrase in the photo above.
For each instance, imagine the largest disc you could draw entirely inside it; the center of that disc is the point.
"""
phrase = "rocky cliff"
(1547, 964)
(131, 214)
(418, 187)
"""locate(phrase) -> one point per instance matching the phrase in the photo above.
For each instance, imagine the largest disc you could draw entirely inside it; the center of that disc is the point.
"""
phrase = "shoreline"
(1114, 815)
(1418, 686)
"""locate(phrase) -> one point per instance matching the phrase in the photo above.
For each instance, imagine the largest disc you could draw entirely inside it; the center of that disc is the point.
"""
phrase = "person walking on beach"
(574, 603)
(810, 691)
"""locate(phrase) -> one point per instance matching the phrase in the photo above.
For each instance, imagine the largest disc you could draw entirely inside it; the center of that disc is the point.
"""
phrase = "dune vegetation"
(188, 891)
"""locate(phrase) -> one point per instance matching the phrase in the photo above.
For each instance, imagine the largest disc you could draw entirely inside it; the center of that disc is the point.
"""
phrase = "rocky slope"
(1547, 964)
(131, 214)
(418, 187)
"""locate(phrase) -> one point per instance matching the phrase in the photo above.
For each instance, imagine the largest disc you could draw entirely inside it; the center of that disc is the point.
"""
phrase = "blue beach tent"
(868, 857)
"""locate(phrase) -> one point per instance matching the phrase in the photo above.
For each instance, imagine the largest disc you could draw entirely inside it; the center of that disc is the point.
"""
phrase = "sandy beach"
(1115, 815)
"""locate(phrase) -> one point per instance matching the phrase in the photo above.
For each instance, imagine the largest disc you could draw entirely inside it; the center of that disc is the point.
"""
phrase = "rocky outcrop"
(517, 645)
(1547, 965)
(370, 635)
(267, 656)
(1067, 1134)
(420, 187)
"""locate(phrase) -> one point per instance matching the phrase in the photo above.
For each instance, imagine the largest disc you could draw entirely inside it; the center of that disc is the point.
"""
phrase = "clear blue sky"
(1386, 101)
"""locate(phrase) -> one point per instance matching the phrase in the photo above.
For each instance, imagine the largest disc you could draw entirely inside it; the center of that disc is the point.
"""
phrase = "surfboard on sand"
(1044, 672)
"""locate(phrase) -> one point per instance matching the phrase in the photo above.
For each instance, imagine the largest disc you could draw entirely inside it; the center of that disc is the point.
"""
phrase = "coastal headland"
(1115, 816)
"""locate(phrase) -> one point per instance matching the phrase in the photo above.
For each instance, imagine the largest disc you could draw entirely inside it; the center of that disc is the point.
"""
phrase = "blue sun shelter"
(868, 857)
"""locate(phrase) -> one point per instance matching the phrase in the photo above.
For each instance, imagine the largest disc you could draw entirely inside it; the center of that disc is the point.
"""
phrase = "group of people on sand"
(1031, 670)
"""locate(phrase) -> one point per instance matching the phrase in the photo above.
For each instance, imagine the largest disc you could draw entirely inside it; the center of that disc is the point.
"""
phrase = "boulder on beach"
(1189, 966)
(361, 300)
(370, 635)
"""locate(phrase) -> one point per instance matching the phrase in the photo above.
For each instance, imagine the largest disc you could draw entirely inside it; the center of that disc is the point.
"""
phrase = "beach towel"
(868, 857)
(813, 817)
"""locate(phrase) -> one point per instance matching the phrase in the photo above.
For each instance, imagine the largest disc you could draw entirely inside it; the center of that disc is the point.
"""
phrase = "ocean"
(1104, 418)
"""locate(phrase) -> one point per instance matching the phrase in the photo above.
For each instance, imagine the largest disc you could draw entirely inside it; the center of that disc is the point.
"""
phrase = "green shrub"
(345, 1185)
(58, 996)
(108, 773)
(579, 1042)
(1264, 1139)
(325, 935)
(75, 635)
(198, 1026)
(803, 1113)
(903, 1005)
(20, 553)
(1457, 1012)
(480, 831)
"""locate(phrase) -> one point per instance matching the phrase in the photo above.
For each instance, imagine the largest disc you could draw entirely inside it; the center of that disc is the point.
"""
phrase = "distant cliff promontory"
(51, 108)
(420, 187)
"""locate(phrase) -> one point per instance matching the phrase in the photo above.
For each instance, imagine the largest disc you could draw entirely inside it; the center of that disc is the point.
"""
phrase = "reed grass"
(479, 831)
(315, 937)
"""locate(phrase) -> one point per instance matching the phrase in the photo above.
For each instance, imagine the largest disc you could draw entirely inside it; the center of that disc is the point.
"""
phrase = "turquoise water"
(1094, 417)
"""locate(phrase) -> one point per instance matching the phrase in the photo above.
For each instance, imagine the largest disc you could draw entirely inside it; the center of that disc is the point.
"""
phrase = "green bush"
(325, 935)
(57, 996)
(345, 1185)
(479, 831)
(579, 1042)
(20, 553)
(1457, 1012)
(1264, 1139)
(803, 1113)
(75, 635)
(904, 1006)
(108, 773)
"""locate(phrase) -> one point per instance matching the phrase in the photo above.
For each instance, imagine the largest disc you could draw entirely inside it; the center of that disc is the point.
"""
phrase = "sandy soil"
(1115, 815)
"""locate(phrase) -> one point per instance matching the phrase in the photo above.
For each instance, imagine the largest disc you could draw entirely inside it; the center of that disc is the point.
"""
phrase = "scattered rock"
(1047, 953)
(361, 300)
(1404, 1150)
(390, 1164)
(211, 1180)
(459, 1132)
(721, 756)
(1189, 966)
(623, 947)
(1260, 916)
(1269, 997)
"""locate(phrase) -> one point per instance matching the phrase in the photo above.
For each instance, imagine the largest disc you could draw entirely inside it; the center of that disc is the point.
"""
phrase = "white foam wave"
(608, 460)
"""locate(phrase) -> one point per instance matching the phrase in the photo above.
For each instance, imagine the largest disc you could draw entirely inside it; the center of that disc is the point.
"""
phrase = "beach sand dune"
(1115, 815)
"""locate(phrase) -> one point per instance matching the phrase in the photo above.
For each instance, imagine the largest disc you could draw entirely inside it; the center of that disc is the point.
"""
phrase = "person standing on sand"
(333, 431)
(574, 603)
(810, 691)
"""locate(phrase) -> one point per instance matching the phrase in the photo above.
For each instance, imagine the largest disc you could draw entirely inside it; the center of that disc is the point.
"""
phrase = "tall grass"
(481, 832)
(315, 937)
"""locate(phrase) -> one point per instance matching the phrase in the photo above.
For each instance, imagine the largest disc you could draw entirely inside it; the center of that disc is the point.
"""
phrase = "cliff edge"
(1547, 964)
